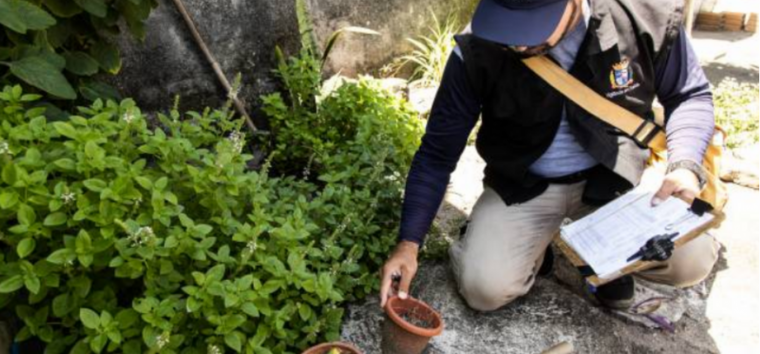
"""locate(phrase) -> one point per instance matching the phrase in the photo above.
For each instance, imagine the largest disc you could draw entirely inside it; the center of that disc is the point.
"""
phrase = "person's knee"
(686, 275)
(689, 271)
(489, 295)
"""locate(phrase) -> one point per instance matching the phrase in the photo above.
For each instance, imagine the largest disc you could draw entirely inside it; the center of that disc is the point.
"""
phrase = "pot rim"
(420, 331)
(325, 346)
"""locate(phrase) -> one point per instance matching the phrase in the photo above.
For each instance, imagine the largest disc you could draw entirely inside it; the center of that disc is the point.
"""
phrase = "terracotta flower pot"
(325, 348)
(402, 337)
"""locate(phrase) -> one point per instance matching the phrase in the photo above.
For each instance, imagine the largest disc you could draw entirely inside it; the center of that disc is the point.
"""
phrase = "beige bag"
(642, 130)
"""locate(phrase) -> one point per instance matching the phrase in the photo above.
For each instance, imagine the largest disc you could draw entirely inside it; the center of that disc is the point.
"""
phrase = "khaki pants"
(497, 259)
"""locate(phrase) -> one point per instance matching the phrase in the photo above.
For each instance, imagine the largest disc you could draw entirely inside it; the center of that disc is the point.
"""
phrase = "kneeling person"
(546, 158)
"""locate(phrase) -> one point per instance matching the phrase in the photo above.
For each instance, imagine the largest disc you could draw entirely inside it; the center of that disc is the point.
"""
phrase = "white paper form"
(606, 238)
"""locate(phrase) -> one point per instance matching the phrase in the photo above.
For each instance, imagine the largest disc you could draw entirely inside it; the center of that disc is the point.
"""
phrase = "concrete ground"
(734, 301)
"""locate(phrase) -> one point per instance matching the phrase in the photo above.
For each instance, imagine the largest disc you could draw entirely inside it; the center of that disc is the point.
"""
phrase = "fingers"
(666, 190)
(687, 194)
(406, 281)
(385, 286)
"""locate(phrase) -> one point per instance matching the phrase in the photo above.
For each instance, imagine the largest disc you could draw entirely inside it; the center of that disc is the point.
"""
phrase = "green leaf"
(8, 199)
(93, 151)
(26, 215)
(10, 173)
(203, 229)
(144, 182)
(89, 318)
(127, 318)
(62, 305)
(162, 183)
(108, 56)
(216, 273)
(55, 219)
(11, 284)
(83, 242)
(93, 90)
(40, 73)
(305, 312)
(80, 348)
(20, 16)
(66, 130)
(95, 184)
(66, 164)
(234, 341)
(26, 247)
(81, 63)
(32, 283)
(95, 7)
(98, 343)
(62, 8)
(61, 256)
(250, 309)
(171, 242)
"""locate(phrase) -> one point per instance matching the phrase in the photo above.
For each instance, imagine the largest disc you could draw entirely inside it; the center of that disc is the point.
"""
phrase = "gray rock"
(742, 166)
(549, 314)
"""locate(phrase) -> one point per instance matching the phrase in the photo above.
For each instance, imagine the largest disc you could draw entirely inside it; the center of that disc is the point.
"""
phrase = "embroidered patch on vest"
(621, 79)
(621, 75)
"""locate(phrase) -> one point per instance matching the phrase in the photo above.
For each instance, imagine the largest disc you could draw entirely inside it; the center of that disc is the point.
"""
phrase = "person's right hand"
(402, 264)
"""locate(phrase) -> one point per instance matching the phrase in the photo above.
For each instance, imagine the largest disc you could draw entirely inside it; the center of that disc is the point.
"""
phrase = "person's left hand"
(682, 183)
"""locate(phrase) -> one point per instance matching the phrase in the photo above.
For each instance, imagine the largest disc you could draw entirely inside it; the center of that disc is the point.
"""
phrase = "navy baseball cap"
(517, 22)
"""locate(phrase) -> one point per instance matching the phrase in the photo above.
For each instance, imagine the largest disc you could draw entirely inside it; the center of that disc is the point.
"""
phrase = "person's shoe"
(547, 264)
(617, 294)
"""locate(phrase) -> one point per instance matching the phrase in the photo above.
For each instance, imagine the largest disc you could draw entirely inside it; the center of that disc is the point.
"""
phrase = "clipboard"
(595, 280)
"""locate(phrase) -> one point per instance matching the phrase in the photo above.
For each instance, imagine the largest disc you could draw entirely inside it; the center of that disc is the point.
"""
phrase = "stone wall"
(242, 35)
(396, 20)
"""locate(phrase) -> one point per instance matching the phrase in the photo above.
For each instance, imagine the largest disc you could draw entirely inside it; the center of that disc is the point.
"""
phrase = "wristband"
(690, 166)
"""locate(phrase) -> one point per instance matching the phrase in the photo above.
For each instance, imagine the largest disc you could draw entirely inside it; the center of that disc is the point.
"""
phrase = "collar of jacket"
(605, 32)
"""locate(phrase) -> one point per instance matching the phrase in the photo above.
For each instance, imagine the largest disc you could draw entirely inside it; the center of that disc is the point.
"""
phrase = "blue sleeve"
(684, 92)
(455, 112)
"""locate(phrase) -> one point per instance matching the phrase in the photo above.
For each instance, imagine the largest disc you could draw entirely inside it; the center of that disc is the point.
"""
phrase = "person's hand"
(682, 183)
(401, 266)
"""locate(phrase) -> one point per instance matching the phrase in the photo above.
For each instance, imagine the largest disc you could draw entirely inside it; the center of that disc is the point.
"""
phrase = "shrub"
(359, 135)
(736, 111)
(122, 237)
(52, 44)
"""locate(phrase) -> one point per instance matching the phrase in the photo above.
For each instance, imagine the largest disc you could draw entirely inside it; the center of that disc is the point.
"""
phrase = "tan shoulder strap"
(644, 131)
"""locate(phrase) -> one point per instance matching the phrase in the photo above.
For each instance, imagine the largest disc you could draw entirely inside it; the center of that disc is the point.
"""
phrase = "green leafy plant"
(736, 110)
(56, 46)
(430, 52)
(120, 236)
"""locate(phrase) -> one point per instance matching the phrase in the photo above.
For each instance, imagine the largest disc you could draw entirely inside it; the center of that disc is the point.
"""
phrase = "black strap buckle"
(646, 131)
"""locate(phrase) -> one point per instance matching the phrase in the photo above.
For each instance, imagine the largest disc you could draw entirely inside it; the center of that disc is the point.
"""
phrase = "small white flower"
(213, 349)
(162, 340)
(128, 117)
(146, 230)
(251, 246)
(68, 197)
(4, 148)
(238, 141)
(233, 93)
(142, 236)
